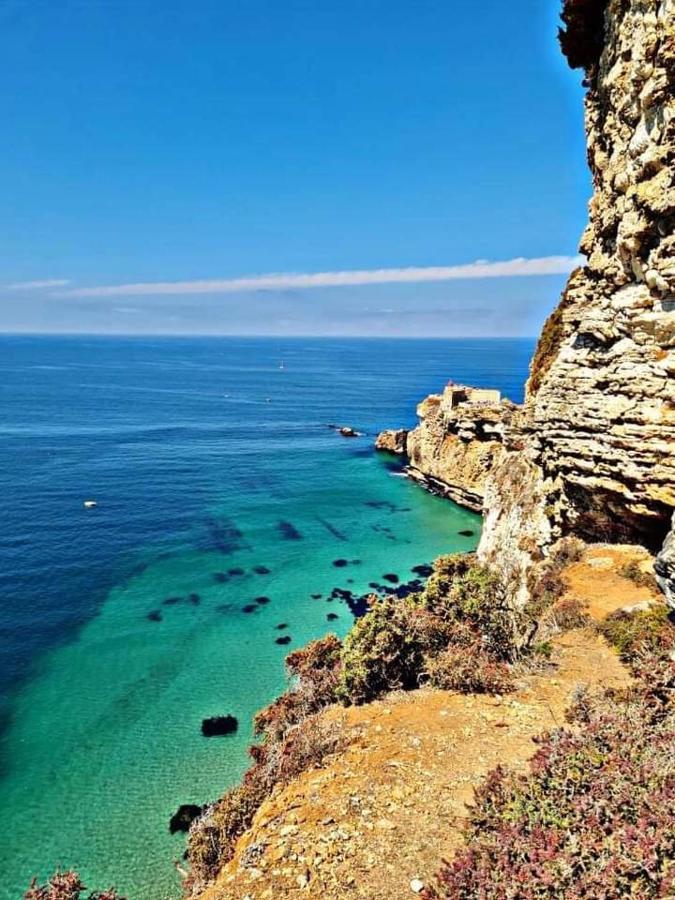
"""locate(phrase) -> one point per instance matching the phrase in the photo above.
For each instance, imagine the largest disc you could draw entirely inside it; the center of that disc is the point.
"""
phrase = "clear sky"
(185, 145)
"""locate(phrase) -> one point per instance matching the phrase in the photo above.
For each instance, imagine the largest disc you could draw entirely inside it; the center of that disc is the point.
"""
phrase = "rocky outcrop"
(456, 443)
(393, 440)
(592, 452)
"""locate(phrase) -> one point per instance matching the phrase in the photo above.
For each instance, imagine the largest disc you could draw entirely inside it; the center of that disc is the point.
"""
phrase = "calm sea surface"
(122, 626)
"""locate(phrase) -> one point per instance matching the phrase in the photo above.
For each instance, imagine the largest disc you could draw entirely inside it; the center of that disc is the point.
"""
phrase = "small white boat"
(281, 364)
(90, 504)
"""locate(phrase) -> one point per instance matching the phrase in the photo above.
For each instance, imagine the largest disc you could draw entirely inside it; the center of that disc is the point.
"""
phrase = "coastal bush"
(462, 614)
(212, 837)
(468, 669)
(592, 818)
(546, 582)
(315, 671)
(581, 38)
(66, 886)
(563, 615)
(634, 573)
(636, 633)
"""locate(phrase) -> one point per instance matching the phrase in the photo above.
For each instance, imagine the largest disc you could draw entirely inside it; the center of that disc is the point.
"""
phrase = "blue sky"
(160, 141)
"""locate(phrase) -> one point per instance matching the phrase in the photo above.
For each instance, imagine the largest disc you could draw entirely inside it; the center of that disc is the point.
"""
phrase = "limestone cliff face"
(456, 443)
(593, 450)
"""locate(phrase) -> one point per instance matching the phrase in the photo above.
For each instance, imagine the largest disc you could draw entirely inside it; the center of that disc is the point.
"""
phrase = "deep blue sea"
(223, 501)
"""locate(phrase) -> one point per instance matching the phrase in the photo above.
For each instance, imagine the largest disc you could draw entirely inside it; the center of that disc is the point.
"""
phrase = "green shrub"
(468, 669)
(634, 573)
(546, 582)
(462, 612)
(386, 648)
(633, 634)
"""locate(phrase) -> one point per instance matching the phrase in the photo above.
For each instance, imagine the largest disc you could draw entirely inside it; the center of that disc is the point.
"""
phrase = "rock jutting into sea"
(456, 443)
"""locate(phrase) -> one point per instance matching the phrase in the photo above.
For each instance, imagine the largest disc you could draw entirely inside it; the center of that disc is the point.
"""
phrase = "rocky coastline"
(456, 444)
(567, 590)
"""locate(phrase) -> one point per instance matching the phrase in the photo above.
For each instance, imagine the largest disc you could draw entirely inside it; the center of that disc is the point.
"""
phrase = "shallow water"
(205, 458)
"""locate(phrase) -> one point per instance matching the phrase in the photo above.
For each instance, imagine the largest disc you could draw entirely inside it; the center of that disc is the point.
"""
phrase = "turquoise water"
(206, 459)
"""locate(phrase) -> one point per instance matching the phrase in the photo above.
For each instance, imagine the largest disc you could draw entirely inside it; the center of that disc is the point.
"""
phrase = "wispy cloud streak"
(546, 265)
(38, 285)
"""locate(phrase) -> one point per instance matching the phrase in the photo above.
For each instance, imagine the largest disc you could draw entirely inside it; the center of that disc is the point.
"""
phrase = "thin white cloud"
(37, 285)
(545, 265)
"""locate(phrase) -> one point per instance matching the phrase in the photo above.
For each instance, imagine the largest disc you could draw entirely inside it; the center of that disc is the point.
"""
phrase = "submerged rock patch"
(288, 531)
(218, 726)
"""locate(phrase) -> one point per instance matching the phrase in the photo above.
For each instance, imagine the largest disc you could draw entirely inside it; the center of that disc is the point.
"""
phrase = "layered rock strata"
(456, 443)
(593, 450)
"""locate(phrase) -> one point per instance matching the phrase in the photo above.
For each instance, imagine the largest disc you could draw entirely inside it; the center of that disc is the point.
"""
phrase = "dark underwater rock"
(220, 577)
(154, 615)
(235, 571)
(172, 601)
(249, 608)
(261, 601)
(261, 570)
(224, 537)
(340, 563)
(466, 533)
(184, 817)
(286, 639)
(288, 531)
(281, 626)
(425, 570)
(217, 726)
(391, 577)
(332, 617)
(194, 599)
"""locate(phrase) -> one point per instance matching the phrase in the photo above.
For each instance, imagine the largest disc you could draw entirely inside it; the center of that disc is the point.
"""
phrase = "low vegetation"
(641, 632)
(550, 341)
(67, 886)
(546, 583)
(581, 37)
(633, 572)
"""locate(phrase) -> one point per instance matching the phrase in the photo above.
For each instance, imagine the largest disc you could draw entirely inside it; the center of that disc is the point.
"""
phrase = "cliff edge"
(591, 452)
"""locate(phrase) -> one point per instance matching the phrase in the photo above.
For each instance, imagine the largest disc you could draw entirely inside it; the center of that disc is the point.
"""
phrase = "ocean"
(223, 501)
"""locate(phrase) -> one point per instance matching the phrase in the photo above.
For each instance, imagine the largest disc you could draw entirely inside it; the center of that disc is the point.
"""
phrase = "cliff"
(592, 451)
(456, 443)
